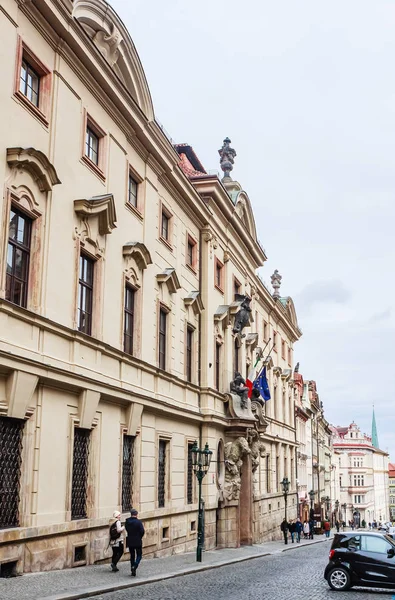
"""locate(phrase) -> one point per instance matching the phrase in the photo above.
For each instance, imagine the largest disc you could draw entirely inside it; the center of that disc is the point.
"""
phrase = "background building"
(363, 475)
(123, 268)
(391, 480)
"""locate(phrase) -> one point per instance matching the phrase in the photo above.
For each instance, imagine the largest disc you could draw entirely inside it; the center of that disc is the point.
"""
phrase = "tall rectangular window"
(277, 473)
(162, 473)
(219, 274)
(92, 145)
(132, 192)
(18, 257)
(11, 432)
(127, 472)
(162, 338)
(29, 83)
(275, 341)
(190, 476)
(217, 365)
(165, 226)
(265, 331)
(236, 358)
(85, 294)
(236, 288)
(283, 349)
(128, 327)
(79, 484)
(189, 353)
(268, 473)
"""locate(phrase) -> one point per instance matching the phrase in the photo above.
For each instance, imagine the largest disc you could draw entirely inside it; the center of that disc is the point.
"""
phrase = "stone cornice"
(102, 206)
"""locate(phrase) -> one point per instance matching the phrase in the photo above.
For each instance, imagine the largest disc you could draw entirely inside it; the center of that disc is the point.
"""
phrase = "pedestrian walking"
(337, 525)
(284, 528)
(306, 530)
(344, 525)
(116, 539)
(134, 540)
(298, 529)
(327, 528)
(292, 530)
(311, 530)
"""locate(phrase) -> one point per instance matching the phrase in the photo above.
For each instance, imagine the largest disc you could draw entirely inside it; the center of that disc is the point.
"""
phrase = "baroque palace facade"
(124, 268)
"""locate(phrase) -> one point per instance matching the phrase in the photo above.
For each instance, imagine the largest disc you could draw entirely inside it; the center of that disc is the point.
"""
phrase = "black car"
(361, 558)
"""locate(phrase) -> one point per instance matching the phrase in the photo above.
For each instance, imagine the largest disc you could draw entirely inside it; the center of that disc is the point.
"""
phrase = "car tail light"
(331, 554)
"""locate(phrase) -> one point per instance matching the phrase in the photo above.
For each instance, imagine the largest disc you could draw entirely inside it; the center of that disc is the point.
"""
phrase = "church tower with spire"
(375, 438)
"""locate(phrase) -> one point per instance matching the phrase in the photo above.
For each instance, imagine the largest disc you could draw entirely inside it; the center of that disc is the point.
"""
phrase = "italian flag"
(250, 379)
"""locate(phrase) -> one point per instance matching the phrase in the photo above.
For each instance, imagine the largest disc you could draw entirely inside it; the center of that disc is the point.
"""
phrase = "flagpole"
(267, 357)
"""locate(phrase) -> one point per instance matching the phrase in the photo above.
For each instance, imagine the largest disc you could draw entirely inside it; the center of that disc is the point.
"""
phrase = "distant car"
(364, 559)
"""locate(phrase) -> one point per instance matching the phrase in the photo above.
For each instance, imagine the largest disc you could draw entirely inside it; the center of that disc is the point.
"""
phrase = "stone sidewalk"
(86, 582)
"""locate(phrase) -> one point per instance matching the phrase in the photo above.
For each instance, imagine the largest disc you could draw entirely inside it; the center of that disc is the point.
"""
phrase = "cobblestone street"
(285, 576)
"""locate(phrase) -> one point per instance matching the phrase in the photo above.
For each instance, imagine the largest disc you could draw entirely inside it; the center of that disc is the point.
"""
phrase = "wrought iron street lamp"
(327, 501)
(201, 460)
(344, 507)
(337, 510)
(312, 494)
(285, 486)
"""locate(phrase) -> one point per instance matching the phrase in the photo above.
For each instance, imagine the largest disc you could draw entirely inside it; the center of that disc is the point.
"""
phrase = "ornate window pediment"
(139, 252)
(36, 163)
(194, 299)
(169, 276)
(252, 340)
(222, 314)
(103, 206)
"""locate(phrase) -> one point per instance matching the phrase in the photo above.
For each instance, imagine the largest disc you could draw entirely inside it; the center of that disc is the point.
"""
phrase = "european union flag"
(262, 385)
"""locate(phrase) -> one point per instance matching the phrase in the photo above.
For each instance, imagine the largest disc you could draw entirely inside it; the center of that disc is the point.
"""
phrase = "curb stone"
(97, 591)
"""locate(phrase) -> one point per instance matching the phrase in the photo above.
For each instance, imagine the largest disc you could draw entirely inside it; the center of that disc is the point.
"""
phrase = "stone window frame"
(25, 203)
(93, 468)
(219, 267)
(162, 436)
(161, 306)
(189, 327)
(191, 241)
(139, 209)
(84, 246)
(219, 343)
(189, 441)
(98, 169)
(275, 334)
(164, 210)
(42, 111)
(265, 332)
(237, 287)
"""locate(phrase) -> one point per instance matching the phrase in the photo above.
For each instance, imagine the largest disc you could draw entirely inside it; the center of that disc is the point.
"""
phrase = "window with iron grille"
(92, 145)
(11, 432)
(189, 353)
(268, 486)
(162, 473)
(128, 319)
(18, 257)
(79, 486)
(127, 472)
(29, 83)
(132, 192)
(190, 476)
(217, 364)
(85, 294)
(162, 338)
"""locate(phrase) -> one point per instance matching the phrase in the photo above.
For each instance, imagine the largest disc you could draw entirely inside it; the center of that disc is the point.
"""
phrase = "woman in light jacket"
(306, 530)
(117, 542)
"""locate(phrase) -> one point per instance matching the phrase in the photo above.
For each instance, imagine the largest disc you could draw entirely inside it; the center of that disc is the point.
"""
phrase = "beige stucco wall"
(69, 371)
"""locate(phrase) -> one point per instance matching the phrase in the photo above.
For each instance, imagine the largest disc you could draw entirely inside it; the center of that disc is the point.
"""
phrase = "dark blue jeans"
(136, 554)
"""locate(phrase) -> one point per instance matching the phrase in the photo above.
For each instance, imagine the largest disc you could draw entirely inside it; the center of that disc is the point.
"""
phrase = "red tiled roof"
(189, 162)
(391, 469)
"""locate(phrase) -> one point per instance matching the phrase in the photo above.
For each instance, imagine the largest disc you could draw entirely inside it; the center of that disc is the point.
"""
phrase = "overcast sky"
(306, 92)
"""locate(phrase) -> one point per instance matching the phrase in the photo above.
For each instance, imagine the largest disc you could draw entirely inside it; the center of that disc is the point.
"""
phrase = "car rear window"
(349, 543)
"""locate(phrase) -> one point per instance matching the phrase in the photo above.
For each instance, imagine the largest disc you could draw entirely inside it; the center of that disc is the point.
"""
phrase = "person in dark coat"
(298, 529)
(284, 528)
(134, 540)
(292, 530)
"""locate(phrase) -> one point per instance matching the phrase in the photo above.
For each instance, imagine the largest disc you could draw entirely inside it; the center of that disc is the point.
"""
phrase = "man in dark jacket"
(135, 533)
(284, 528)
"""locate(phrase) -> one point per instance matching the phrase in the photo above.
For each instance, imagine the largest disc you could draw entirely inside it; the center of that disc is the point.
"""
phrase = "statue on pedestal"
(238, 386)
